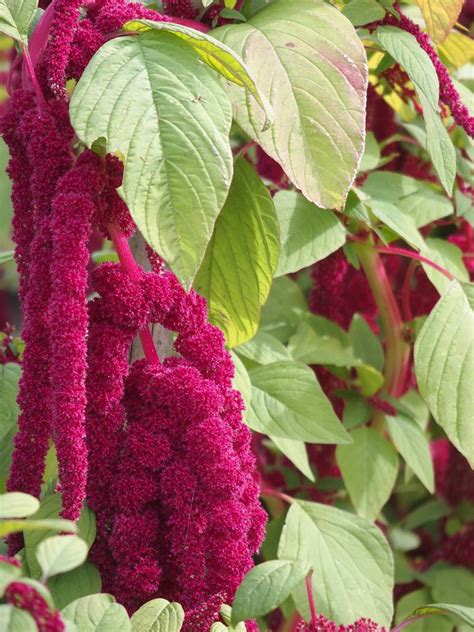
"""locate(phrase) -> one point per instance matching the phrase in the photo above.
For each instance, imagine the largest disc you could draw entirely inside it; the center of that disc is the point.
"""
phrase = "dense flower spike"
(180, 8)
(27, 598)
(322, 624)
(447, 92)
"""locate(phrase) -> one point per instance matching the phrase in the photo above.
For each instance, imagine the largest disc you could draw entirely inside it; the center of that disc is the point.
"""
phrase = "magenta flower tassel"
(27, 598)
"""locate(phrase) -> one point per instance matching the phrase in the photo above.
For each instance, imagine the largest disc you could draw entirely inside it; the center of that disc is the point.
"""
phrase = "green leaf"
(371, 156)
(8, 574)
(440, 16)
(410, 603)
(444, 367)
(361, 12)
(16, 17)
(28, 526)
(164, 111)
(16, 620)
(61, 553)
(214, 53)
(307, 233)
(237, 271)
(369, 468)
(411, 442)
(80, 582)
(158, 615)
(241, 381)
(6, 257)
(366, 345)
(320, 341)
(296, 452)
(263, 349)
(446, 255)
(399, 222)
(288, 402)
(464, 613)
(18, 505)
(428, 512)
(352, 562)
(98, 613)
(309, 62)
(282, 312)
(50, 508)
(265, 587)
(453, 585)
(404, 48)
(9, 378)
(414, 198)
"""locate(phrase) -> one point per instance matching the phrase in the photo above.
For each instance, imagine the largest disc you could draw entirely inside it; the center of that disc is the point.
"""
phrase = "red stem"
(312, 605)
(131, 267)
(273, 493)
(32, 75)
(406, 289)
(389, 250)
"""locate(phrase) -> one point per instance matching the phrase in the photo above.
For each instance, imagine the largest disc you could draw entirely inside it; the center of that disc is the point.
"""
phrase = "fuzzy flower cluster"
(26, 598)
(448, 93)
(322, 624)
(185, 467)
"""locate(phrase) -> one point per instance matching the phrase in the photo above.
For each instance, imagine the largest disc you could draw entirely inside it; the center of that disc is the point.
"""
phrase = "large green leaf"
(361, 12)
(412, 443)
(9, 378)
(237, 271)
(263, 348)
(214, 53)
(61, 553)
(98, 613)
(80, 582)
(16, 17)
(158, 615)
(444, 367)
(288, 402)
(16, 620)
(266, 586)
(309, 62)
(164, 111)
(404, 48)
(18, 505)
(351, 559)
(308, 233)
(369, 468)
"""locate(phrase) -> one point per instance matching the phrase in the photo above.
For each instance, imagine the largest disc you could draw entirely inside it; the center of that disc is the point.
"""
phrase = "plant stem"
(130, 266)
(389, 250)
(397, 349)
(312, 605)
(273, 493)
(32, 75)
(409, 621)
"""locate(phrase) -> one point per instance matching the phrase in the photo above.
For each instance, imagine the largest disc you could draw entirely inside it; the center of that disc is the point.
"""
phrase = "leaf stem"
(130, 266)
(404, 624)
(32, 75)
(389, 250)
(397, 349)
(273, 493)
(309, 590)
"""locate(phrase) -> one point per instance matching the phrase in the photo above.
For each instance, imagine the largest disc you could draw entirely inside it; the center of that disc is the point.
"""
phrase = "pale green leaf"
(288, 402)
(6, 257)
(263, 348)
(18, 505)
(361, 12)
(309, 62)
(16, 17)
(158, 615)
(444, 367)
(365, 344)
(16, 620)
(241, 381)
(8, 574)
(61, 553)
(464, 613)
(29, 526)
(296, 452)
(398, 221)
(9, 378)
(371, 156)
(265, 587)
(282, 312)
(351, 559)
(453, 585)
(449, 257)
(412, 443)
(241, 258)
(153, 100)
(412, 602)
(80, 582)
(369, 468)
(307, 233)
(214, 53)
(428, 512)
(98, 613)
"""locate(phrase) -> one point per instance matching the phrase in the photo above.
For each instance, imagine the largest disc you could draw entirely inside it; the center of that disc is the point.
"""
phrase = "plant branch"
(130, 266)
(402, 252)
(312, 605)
(32, 75)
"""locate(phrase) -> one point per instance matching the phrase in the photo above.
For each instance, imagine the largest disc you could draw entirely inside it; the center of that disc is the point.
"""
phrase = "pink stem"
(406, 290)
(389, 250)
(32, 75)
(312, 605)
(133, 270)
(272, 493)
(409, 621)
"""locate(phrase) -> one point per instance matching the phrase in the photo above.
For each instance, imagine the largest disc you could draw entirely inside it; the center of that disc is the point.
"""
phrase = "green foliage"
(97, 613)
(60, 553)
(15, 620)
(158, 615)
(16, 17)
(9, 377)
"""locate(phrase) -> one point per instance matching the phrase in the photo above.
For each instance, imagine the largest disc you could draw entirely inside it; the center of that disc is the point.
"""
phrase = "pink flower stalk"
(322, 624)
(447, 92)
(72, 211)
(26, 598)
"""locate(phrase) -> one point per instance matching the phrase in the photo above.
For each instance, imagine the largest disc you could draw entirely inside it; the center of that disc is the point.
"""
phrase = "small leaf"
(241, 258)
(241, 381)
(400, 223)
(61, 553)
(366, 345)
(444, 367)
(411, 602)
(428, 512)
(98, 613)
(80, 582)
(449, 257)
(413, 445)
(361, 12)
(265, 587)
(296, 452)
(464, 613)
(263, 348)
(440, 16)
(15, 526)
(16, 620)
(307, 233)
(18, 505)
(6, 257)
(9, 378)
(16, 17)
(158, 615)
(351, 559)
(288, 402)
(369, 468)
